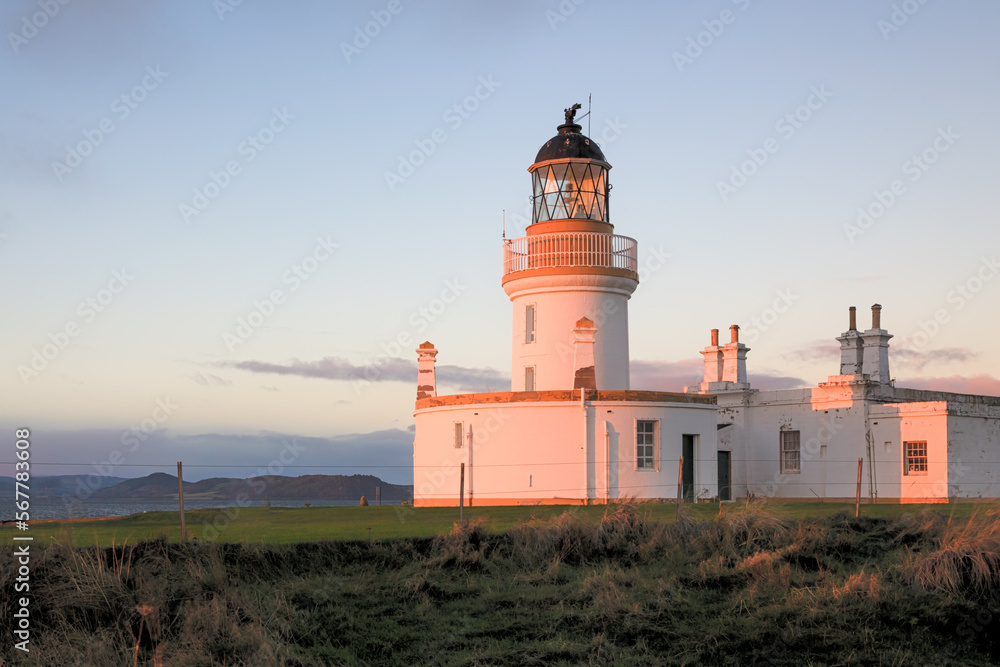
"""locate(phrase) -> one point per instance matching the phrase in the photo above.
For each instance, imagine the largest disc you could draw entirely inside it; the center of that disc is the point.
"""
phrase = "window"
(529, 324)
(915, 462)
(459, 434)
(529, 378)
(645, 444)
(790, 455)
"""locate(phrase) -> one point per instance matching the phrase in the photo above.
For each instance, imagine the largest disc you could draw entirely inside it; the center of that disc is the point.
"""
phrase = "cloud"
(384, 370)
(917, 359)
(815, 351)
(210, 380)
(675, 375)
(982, 384)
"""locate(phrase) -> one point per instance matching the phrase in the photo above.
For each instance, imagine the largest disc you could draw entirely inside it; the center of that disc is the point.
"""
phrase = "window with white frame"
(915, 458)
(645, 444)
(791, 459)
(529, 323)
(529, 378)
(459, 434)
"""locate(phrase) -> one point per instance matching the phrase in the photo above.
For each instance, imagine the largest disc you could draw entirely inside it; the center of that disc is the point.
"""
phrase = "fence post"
(857, 500)
(180, 499)
(461, 495)
(680, 478)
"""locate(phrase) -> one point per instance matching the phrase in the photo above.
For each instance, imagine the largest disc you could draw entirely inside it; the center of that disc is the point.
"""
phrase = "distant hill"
(161, 486)
(61, 486)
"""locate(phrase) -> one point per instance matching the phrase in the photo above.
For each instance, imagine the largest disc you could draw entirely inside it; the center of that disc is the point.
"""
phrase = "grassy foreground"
(283, 525)
(611, 588)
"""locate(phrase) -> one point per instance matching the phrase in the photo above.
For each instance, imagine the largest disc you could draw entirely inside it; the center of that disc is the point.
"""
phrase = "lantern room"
(570, 177)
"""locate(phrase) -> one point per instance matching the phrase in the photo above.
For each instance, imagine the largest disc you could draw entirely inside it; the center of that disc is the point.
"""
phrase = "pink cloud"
(982, 384)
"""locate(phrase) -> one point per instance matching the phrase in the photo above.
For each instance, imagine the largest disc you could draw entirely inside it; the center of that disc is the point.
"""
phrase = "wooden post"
(461, 495)
(680, 480)
(857, 500)
(180, 499)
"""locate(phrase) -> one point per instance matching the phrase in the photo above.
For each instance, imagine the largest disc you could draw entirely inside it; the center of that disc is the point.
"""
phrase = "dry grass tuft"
(967, 559)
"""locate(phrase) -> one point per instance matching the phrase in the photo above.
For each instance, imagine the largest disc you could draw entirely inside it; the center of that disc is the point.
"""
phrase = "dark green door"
(687, 471)
(725, 471)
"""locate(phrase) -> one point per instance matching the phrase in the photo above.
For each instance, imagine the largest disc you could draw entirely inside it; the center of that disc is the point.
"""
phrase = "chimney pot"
(854, 319)
(734, 332)
(876, 316)
(715, 338)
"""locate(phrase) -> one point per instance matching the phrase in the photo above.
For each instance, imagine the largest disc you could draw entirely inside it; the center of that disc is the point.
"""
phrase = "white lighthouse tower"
(570, 430)
(570, 269)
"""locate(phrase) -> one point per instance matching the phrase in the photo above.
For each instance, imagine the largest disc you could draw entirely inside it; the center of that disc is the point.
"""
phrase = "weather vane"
(571, 113)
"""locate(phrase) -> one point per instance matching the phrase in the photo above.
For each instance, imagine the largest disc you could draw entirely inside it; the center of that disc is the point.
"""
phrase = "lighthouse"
(570, 430)
(570, 268)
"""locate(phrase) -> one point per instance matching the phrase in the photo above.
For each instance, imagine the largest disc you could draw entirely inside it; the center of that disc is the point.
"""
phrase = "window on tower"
(459, 434)
(570, 190)
(529, 378)
(529, 324)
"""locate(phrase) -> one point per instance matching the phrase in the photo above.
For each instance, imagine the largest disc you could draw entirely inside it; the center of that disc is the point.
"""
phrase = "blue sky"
(275, 158)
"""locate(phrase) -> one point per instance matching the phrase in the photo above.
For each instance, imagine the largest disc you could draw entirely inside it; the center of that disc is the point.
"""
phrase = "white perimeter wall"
(557, 450)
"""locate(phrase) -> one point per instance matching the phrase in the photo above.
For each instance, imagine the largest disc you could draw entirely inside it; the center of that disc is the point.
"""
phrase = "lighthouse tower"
(570, 278)
(570, 430)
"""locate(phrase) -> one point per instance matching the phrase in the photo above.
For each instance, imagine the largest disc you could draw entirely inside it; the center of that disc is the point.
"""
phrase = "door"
(687, 471)
(725, 473)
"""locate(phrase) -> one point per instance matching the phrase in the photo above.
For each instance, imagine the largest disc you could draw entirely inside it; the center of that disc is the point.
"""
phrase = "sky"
(225, 226)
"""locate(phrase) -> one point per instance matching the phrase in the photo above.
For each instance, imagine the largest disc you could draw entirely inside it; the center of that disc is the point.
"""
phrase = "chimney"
(713, 359)
(876, 349)
(584, 375)
(851, 347)
(734, 358)
(426, 377)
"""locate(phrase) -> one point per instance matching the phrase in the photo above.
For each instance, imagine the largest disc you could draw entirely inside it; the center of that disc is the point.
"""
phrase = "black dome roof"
(569, 143)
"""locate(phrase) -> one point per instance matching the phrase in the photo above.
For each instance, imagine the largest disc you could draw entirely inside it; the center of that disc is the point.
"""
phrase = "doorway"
(687, 469)
(725, 475)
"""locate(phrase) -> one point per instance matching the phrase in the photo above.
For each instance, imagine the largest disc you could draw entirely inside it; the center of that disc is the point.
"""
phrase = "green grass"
(279, 525)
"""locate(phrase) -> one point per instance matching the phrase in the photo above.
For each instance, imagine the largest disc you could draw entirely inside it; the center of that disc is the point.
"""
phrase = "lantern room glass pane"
(575, 190)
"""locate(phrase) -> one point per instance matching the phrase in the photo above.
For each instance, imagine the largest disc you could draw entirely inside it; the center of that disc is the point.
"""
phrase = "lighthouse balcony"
(566, 251)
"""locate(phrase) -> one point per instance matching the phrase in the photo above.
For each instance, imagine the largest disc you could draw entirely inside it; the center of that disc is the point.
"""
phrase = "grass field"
(775, 584)
(281, 525)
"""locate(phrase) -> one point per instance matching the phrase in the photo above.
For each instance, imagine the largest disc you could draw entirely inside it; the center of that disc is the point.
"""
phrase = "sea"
(58, 508)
